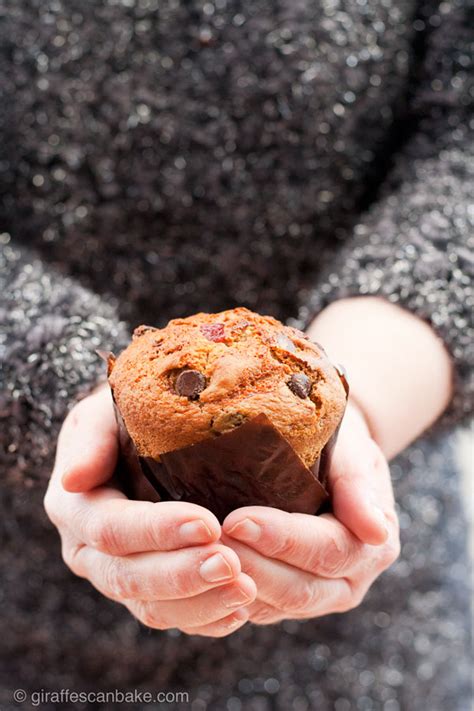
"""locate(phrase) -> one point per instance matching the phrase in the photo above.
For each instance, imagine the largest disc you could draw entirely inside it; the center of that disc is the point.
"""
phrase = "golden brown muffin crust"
(246, 364)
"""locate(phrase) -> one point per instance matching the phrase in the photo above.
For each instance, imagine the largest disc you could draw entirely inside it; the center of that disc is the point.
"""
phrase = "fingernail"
(194, 532)
(235, 598)
(216, 569)
(246, 530)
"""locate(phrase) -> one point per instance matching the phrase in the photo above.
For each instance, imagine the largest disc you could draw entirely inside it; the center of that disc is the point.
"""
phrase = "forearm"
(399, 372)
(49, 329)
(413, 247)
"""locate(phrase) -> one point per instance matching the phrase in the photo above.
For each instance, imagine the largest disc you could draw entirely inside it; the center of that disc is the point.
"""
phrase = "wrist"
(356, 406)
(356, 414)
(399, 372)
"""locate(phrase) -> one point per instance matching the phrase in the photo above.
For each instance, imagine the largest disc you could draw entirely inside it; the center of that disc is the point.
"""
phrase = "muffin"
(213, 386)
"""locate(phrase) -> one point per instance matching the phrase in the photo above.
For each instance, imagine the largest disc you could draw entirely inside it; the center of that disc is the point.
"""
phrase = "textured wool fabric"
(161, 158)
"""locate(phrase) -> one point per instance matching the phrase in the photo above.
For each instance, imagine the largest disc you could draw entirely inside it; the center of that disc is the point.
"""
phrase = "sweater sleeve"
(414, 245)
(49, 330)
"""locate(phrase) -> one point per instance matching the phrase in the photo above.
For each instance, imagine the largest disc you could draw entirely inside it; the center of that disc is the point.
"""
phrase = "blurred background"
(466, 461)
(158, 157)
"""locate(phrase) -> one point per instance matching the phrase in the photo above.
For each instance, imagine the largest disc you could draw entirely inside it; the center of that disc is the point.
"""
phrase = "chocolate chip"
(190, 383)
(341, 371)
(319, 346)
(285, 343)
(300, 385)
(140, 330)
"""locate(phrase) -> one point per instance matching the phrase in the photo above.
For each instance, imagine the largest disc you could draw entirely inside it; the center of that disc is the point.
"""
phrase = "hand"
(163, 561)
(308, 566)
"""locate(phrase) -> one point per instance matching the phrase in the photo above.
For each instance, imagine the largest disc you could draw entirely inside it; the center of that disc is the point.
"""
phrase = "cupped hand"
(308, 566)
(163, 561)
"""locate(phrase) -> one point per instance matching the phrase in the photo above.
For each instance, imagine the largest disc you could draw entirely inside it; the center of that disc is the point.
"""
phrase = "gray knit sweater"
(160, 158)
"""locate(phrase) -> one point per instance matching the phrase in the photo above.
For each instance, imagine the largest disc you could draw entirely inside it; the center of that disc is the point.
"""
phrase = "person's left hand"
(308, 566)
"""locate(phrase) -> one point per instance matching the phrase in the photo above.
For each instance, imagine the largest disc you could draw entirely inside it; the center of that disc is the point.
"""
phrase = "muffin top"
(206, 374)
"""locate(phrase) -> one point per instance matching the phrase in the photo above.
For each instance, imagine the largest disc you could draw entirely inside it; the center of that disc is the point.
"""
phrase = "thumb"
(359, 482)
(88, 444)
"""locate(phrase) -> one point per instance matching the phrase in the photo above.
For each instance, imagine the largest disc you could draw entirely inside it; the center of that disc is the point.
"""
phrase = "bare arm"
(400, 374)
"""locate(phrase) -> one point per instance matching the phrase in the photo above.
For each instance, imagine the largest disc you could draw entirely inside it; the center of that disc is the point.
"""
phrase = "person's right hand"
(161, 560)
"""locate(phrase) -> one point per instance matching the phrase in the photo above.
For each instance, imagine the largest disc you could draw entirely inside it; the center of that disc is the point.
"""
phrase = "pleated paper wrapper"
(253, 465)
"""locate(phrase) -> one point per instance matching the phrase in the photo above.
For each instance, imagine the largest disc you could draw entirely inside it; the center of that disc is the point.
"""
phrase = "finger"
(359, 484)
(156, 576)
(289, 589)
(223, 628)
(197, 611)
(114, 525)
(88, 444)
(69, 512)
(262, 614)
(318, 544)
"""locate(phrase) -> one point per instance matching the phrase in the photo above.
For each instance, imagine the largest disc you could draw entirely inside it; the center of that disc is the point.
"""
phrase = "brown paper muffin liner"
(253, 465)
